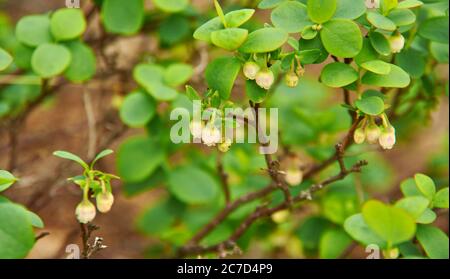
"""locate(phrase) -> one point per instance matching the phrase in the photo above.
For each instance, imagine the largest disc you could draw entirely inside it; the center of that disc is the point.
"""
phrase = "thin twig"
(90, 117)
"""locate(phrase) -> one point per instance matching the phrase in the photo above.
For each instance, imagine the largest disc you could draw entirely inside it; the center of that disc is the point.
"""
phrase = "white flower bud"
(211, 135)
(387, 138)
(294, 176)
(251, 69)
(359, 136)
(373, 133)
(265, 79)
(85, 212)
(196, 129)
(224, 146)
(104, 201)
(291, 79)
(397, 42)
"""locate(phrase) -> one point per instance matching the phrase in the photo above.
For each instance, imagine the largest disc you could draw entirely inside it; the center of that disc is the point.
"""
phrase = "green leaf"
(255, 93)
(434, 241)
(357, 228)
(35, 220)
(151, 77)
(367, 53)
(441, 198)
(415, 206)
(5, 59)
(402, 17)
(138, 157)
(350, 9)
(380, 43)
(321, 11)
(311, 230)
(233, 19)
(314, 45)
(309, 33)
(392, 224)
(193, 185)
(83, 64)
(34, 30)
(428, 217)
(371, 105)
(435, 29)
(409, 188)
(137, 109)
(377, 66)
(337, 206)
(69, 156)
(270, 4)
(171, 6)
(338, 75)
(67, 24)
(192, 93)
(425, 185)
(101, 155)
(159, 218)
(22, 56)
(123, 19)
(439, 52)
(178, 74)
(409, 4)
(397, 78)
(16, 232)
(238, 17)
(230, 38)
(264, 40)
(333, 244)
(50, 60)
(6, 180)
(380, 21)
(342, 38)
(291, 16)
(221, 74)
(412, 61)
(387, 5)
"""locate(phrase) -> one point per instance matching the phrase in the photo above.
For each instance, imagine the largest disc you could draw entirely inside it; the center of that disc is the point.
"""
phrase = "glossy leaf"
(434, 242)
(291, 16)
(377, 66)
(69, 156)
(350, 9)
(230, 38)
(338, 75)
(264, 40)
(320, 11)
(34, 30)
(371, 105)
(67, 24)
(380, 21)
(83, 63)
(137, 109)
(221, 74)
(120, 19)
(358, 229)
(342, 38)
(50, 60)
(6, 180)
(425, 185)
(397, 78)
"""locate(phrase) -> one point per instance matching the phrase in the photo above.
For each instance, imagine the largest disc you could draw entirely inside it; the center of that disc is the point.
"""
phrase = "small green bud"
(393, 253)
(397, 42)
(387, 138)
(104, 201)
(85, 212)
(250, 70)
(360, 136)
(373, 133)
(265, 79)
(291, 79)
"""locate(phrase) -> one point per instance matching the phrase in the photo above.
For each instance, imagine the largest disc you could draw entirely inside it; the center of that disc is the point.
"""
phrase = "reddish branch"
(193, 247)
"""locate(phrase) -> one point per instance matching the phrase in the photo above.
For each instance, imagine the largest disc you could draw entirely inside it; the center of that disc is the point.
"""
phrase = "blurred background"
(62, 122)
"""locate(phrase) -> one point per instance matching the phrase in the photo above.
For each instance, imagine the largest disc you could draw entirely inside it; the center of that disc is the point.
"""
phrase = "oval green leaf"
(342, 38)
(320, 11)
(67, 24)
(34, 30)
(121, 20)
(377, 66)
(291, 16)
(397, 78)
(338, 75)
(137, 109)
(83, 64)
(264, 40)
(230, 38)
(371, 105)
(221, 74)
(50, 60)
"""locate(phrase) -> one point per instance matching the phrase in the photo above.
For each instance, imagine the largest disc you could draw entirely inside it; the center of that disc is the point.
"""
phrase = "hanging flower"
(291, 79)
(373, 133)
(360, 136)
(85, 212)
(251, 69)
(387, 138)
(104, 201)
(397, 42)
(265, 79)
(211, 135)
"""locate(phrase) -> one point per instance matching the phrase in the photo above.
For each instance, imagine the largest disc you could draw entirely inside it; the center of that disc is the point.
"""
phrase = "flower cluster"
(369, 131)
(210, 135)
